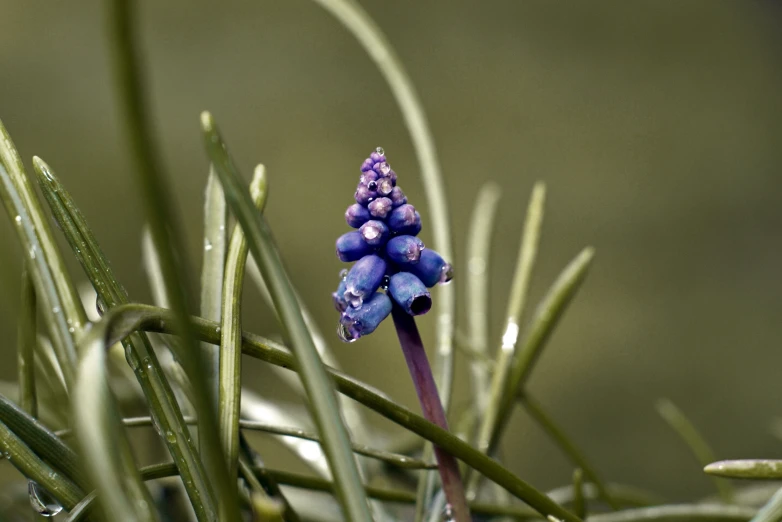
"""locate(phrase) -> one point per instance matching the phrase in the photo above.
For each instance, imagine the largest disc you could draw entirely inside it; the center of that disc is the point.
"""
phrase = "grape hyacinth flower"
(391, 276)
(388, 256)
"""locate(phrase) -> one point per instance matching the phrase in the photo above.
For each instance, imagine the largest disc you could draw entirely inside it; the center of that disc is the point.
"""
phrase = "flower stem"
(421, 372)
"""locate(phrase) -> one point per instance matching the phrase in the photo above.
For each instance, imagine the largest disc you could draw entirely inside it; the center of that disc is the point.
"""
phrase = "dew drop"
(18, 220)
(344, 334)
(448, 514)
(385, 168)
(207, 245)
(343, 274)
(354, 298)
(380, 151)
(56, 310)
(171, 437)
(384, 284)
(372, 185)
(32, 252)
(446, 274)
(41, 501)
(218, 330)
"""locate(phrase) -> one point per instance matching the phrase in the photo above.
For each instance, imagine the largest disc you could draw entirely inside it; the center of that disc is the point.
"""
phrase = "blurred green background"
(655, 124)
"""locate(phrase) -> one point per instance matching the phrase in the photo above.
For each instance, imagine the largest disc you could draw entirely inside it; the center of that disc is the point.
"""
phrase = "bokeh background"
(656, 126)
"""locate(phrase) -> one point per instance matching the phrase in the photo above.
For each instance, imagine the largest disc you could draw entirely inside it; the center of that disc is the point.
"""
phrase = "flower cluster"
(387, 253)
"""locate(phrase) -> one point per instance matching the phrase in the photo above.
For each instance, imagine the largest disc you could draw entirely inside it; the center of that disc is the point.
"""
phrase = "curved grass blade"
(26, 341)
(757, 469)
(213, 268)
(320, 392)
(42, 441)
(150, 376)
(556, 434)
(60, 305)
(697, 444)
(230, 363)
(579, 502)
(543, 323)
(477, 288)
(121, 320)
(107, 454)
(31, 466)
(525, 261)
(679, 513)
(624, 495)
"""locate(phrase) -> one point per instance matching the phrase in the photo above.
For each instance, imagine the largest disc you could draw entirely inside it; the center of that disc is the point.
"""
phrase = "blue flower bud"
(356, 215)
(366, 177)
(397, 197)
(384, 187)
(380, 208)
(339, 296)
(357, 322)
(352, 247)
(367, 165)
(374, 232)
(363, 195)
(431, 268)
(364, 279)
(405, 220)
(409, 293)
(404, 250)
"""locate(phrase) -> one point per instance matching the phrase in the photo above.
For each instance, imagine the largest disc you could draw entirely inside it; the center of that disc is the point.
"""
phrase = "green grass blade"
(477, 288)
(26, 341)
(697, 444)
(626, 496)
(31, 466)
(758, 469)
(546, 317)
(319, 389)
(230, 363)
(525, 261)
(42, 441)
(680, 513)
(212, 270)
(120, 321)
(167, 235)
(60, 306)
(150, 376)
(556, 434)
(579, 502)
(107, 454)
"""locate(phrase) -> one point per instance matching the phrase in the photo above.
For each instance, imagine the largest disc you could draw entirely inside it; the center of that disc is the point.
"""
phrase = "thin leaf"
(320, 391)
(546, 317)
(579, 502)
(556, 434)
(759, 469)
(626, 496)
(215, 244)
(697, 444)
(230, 364)
(127, 318)
(31, 466)
(138, 350)
(679, 513)
(167, 235)
(772, 511)
(507, 352)
(26, 340)
(60, 306)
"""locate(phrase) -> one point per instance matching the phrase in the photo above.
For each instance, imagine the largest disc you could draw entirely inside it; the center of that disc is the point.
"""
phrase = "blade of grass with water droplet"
(545, 319)
(151, 378)
(60, 306)
(128, 318)
(212, 270)
(230, 362)
(525, 261)
(34, 468)
(320, 393)
(697, 444)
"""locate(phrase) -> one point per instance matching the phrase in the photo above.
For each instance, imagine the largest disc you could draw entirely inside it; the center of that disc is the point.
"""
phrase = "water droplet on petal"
(41, 501)
(344, 334)
(354, 298)
(384, 284)
(385, 168)
(380, 151)
(446, 274)
(343, 274)
(207, 245)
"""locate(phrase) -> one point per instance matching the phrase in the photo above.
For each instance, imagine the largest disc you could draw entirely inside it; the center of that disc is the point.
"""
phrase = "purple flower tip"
(404, 250)
(410, 293)
(397, 197)
(352, 247)
(356, 215)
(405, 220)
(374, 232)
(380, 207)
(432, 269)
(357, 322)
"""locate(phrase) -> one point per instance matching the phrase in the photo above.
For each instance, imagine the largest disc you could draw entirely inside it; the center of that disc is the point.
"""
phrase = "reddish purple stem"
(421, 372)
